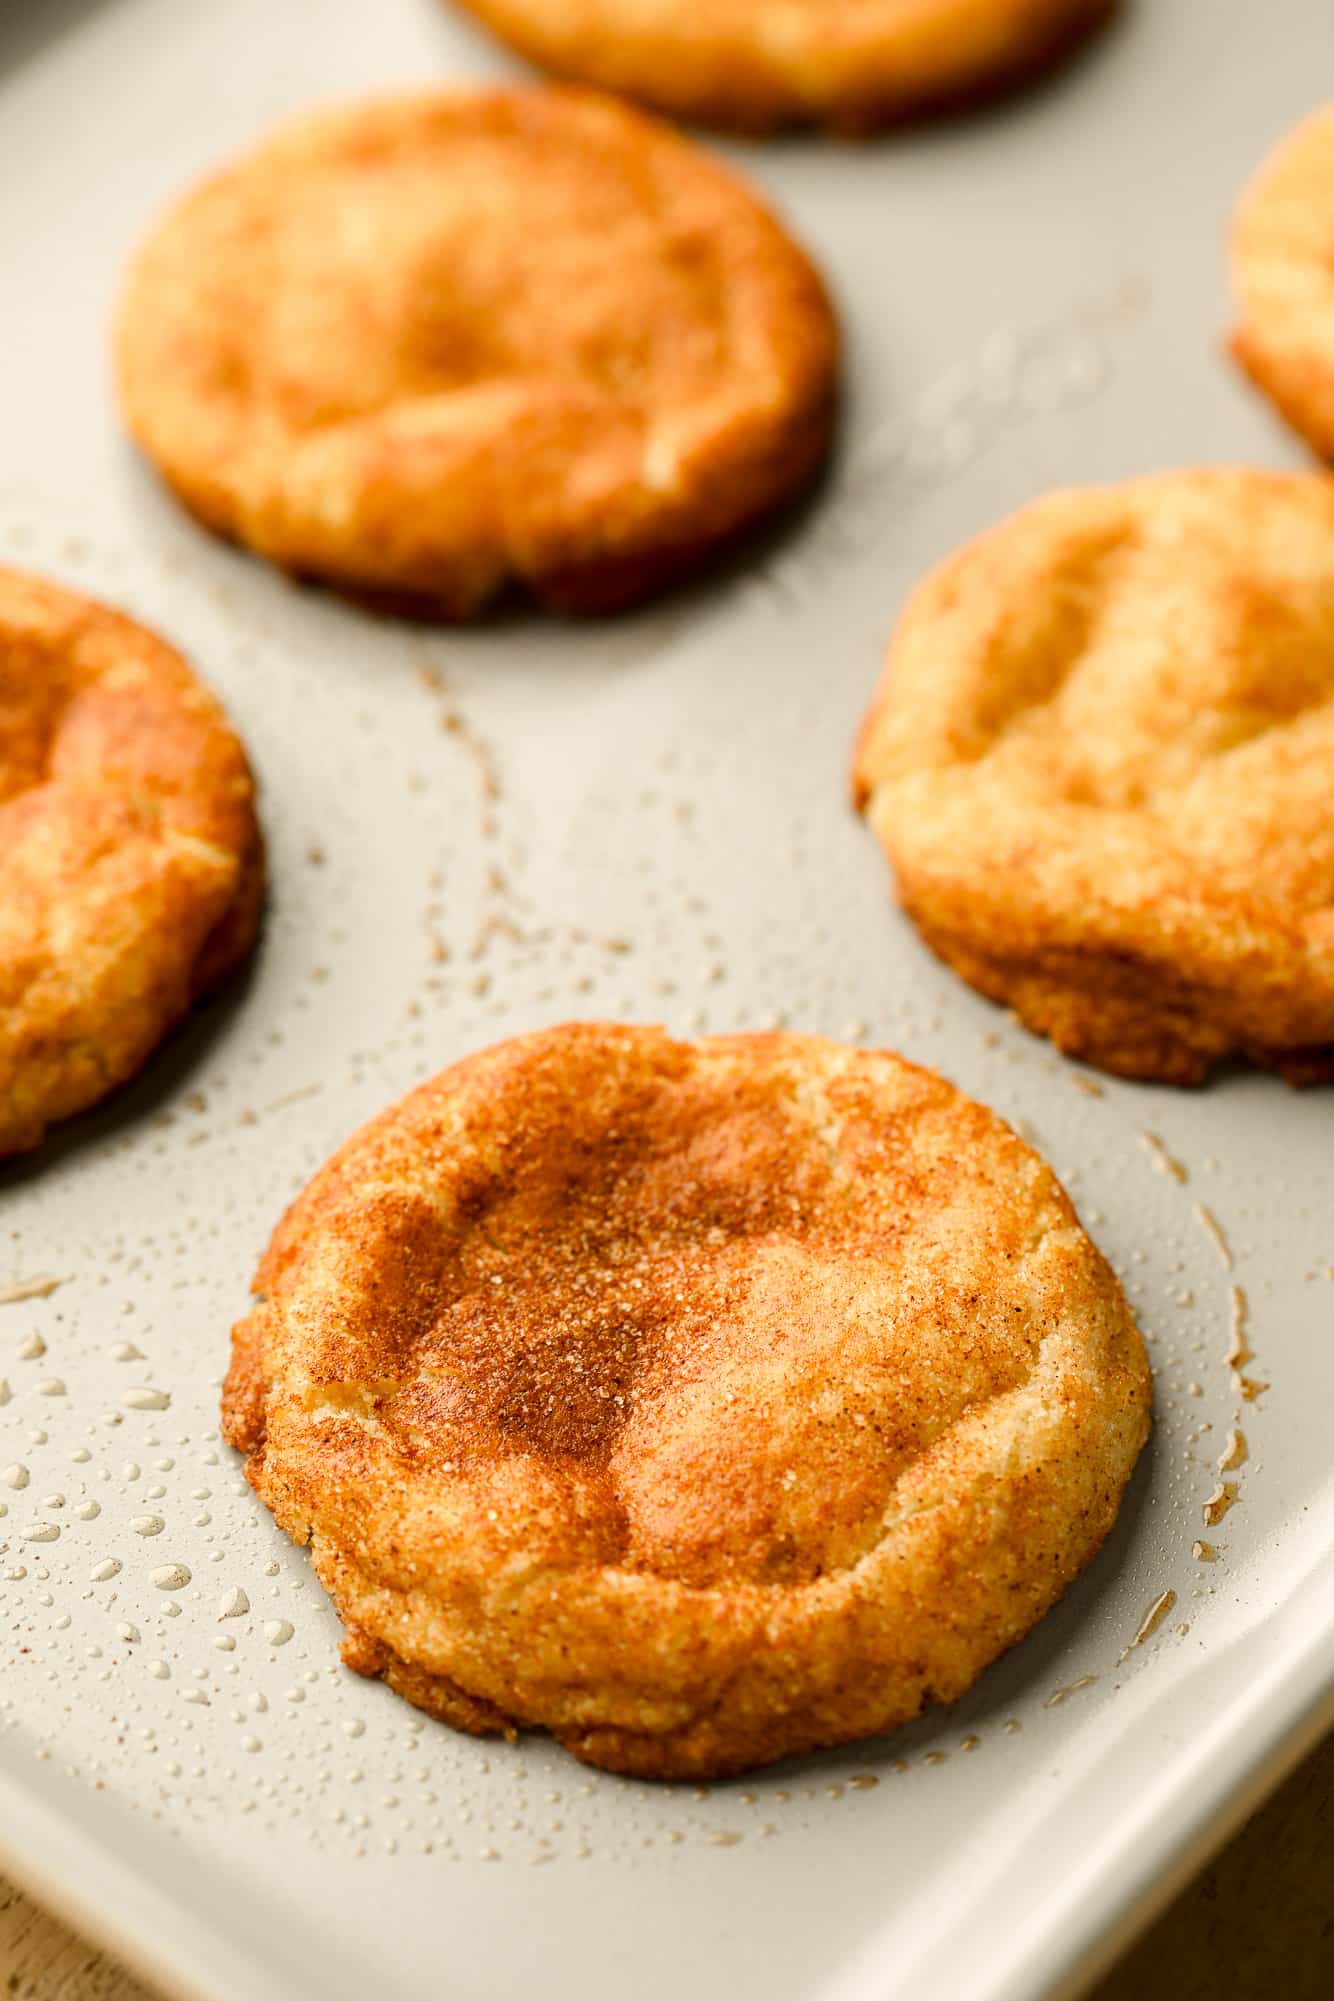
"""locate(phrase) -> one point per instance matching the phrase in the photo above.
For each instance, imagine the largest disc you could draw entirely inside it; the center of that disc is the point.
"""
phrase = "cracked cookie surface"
(1099, 761)
(698, 1402)
(434, 347)
(130, 857)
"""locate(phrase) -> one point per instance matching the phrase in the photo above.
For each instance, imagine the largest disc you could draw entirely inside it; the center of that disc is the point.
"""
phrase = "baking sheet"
(644, 819)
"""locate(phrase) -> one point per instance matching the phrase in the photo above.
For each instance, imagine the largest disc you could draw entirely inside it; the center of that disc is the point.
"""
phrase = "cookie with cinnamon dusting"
(1283, 276)
(130, 858)
(751, 65)
(696, 1402)
(437, 346)
(1099, 760)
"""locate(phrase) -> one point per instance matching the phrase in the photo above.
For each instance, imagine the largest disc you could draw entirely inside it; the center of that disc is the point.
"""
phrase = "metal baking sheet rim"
(1204, 1795)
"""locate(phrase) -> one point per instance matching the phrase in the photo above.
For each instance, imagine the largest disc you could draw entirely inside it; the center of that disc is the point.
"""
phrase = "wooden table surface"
(1258, 1925)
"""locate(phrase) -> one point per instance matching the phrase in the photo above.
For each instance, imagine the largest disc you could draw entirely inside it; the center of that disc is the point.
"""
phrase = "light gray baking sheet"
(643, 819)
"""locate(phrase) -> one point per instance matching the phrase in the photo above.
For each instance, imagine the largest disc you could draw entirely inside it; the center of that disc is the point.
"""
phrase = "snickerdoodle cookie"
(1101, 761)
(432, 346)
(751, 65)
(696, 1402)
(1283, 276)
(130, 858)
